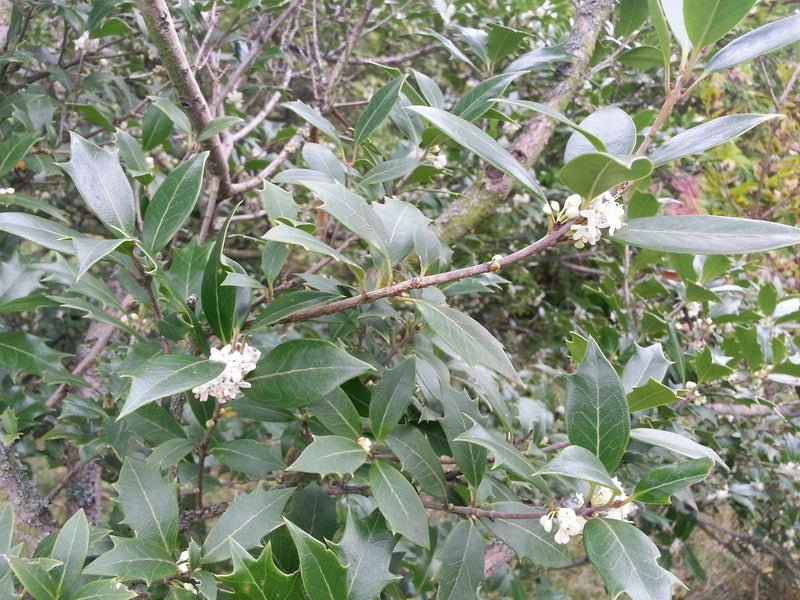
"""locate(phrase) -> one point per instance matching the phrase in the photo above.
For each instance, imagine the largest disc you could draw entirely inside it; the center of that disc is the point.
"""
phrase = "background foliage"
(355, 196)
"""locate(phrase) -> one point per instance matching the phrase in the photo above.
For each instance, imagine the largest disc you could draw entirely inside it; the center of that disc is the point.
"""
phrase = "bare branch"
(162, 29)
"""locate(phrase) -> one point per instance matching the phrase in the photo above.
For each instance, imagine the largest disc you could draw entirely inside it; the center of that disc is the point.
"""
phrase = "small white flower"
(569, 525)
(150, 162)
(238, 363)
(85, 44)
(604, 212)
(439, 161)
(365, 443)
(183, 568)
(547, 210)
(237, 99)
(546, 521)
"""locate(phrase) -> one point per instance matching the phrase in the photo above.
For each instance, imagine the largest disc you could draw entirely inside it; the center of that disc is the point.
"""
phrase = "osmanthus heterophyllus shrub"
(273, 378)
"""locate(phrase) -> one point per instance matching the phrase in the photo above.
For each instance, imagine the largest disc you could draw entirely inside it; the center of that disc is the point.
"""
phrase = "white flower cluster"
(239, 361)
(571, 210)
(4, 191)
(237, 99)
(604, 212)
(570, 523)
(365, 443)
(183, 562)
(84, 44)
(438, 158)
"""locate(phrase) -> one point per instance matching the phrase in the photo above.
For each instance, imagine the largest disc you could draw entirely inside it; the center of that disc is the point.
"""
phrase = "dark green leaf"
(675, 443)
(596, 411)
(646, 363)
(219, 301)
(134, 560)
(541, 58)
(313, 117)
(330, 454)
(23, 352)
(651, 394)
(461, 571)
(300, 372)
(287, 234)
(165, 375)
(102, 589)
(459, 414)
(465, 337)
(391, 397)
(14, 150)
(97, 174)
(324, 577)
(389, 170)
(173, 203)
(338, 415)
(401, 221)
(249, 456)
(755, 43)
(627, 560)
(632, 14)
(709, 20)
(150, 503)
(611, 125)
(378, 108)
(248, 519)
(259, 578)
(366, 549)
(642, 57)
(418, 459)
(216, 126)
(35, 576)
(659, 484)
(71, 547)
(430, 90)
(502, 41)
(504, 453)
(578, 463)
(90, 251)
(44, 232)
(156, 126)
(595, 141)
(465, 133)
(702, 137)
(593, 173)
(476, 101)
(399, 503)
(707, 234)
(527, 537)
(175, 114)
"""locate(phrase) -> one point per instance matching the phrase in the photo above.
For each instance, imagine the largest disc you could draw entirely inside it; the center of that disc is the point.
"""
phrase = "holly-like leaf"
(459, 415)
(659, 484)
(330, 454)
(592, 173)
(323, 575)
(134, 560)
(703, 137)
(627, 560)
(338, 415)
(650, 395)
(97, 174)
(391, 397)
(707, 234)
(71, 547)
(103, 589)
(419, 459)
(709, 20)
(465, 337)
(527, 537)
(646, 362)
(399, 503)
(300, 372)
(249, 456)
(150, 503)
(312, 116)
(248, 519)
(596, 411)
(676, 443)
(35, 576)
(366, 548)
(173, 203)
(89, 251)
(461, 570)
(476, 140)
(578, 463)
(14, 150)
(504, 453)
(259, 578)
(219, 301)
(44, 232)
(378, 108)
(23, 352)
(755, 43)
(165, 375)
